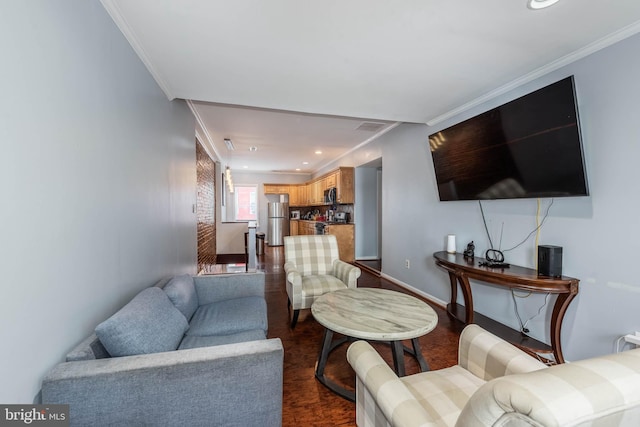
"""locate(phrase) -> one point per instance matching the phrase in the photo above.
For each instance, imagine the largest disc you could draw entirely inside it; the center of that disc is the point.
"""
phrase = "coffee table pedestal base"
(397, 349)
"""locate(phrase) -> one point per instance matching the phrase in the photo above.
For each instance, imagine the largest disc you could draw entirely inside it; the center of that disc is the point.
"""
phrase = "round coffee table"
(376, 315)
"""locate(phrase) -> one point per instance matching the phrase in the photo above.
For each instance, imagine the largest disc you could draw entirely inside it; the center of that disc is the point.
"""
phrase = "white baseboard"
(436, 301)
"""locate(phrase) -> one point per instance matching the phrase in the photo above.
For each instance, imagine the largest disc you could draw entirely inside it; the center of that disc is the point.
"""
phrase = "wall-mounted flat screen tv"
(527, 148)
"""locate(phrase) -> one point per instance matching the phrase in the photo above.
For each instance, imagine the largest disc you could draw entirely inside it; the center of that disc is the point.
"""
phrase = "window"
(246, 202)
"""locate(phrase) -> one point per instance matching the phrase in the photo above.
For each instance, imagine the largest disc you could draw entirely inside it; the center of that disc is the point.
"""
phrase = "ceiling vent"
(229, 144)
(370, 126)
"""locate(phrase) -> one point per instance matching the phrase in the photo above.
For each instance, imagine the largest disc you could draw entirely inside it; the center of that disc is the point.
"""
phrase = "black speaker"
(549, 260)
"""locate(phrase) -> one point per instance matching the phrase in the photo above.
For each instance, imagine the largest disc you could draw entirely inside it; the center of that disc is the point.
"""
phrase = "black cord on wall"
(484, 221)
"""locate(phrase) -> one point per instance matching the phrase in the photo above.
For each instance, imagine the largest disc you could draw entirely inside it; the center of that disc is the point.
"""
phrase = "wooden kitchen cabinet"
(331, 181)
(302, 195)
(318, 193)
(312, 193)
(345, 185)
(276, 189)
(306, 228)
(345, 235)
(294, 195)
(294, 227)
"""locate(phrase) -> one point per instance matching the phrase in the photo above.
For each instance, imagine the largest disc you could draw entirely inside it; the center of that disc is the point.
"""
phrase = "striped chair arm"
(346, 272)
(391, 398)
(293, 275)
(603, 391)
(488, 356)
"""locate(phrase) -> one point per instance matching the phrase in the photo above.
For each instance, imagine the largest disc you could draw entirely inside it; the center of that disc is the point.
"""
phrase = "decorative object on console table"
(470, 252)
(451, 243)
(461, 270)
(550, 261)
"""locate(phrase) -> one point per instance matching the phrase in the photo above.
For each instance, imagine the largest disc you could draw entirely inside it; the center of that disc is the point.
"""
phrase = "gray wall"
(97, 182)
(599, 233)
(366, 215)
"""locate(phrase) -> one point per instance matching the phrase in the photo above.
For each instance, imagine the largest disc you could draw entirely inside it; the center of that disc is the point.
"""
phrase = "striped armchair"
(496, 384)
(313, 268)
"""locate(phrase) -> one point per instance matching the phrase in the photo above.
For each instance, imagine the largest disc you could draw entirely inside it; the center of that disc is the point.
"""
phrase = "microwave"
(330, 195)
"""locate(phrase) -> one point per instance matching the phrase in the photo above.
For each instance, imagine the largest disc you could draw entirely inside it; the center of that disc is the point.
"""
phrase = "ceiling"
(290, 77)
(285, 142)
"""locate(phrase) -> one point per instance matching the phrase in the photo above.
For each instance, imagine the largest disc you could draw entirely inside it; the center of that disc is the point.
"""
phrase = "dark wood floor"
(306, 402)
(373, 266)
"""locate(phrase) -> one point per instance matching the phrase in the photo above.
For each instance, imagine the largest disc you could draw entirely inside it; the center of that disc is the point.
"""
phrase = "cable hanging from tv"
(523, 325)
(495, 257)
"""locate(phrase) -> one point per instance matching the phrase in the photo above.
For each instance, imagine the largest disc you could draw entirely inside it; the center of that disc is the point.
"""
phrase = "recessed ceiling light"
(245, 167)
(541, 4)
(298, 169)
(318, 152)
(305, 163)
(253, 148)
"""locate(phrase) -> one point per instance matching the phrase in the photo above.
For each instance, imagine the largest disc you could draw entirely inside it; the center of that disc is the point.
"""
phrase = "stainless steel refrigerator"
(277, 223)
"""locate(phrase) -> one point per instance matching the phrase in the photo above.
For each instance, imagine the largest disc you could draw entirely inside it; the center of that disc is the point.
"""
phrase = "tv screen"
(527, 148)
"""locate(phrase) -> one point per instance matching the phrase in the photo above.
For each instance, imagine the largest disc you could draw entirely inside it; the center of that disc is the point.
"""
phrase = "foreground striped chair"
(313, 268)
(496, 384)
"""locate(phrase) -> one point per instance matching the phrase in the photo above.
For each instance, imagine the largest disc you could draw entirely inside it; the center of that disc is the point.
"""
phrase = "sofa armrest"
(346, 272)
(488, 356)
(380, 391)
(236, 384)
(600, 391)
(220, 287)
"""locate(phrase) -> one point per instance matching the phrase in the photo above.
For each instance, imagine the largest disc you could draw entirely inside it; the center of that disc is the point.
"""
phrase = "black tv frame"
(529, 147)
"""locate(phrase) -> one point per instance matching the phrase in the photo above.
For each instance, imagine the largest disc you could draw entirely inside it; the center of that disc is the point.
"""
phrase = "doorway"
(368, 216)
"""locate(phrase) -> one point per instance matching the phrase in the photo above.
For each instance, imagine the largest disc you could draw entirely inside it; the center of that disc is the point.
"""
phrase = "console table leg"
(559, 309)
(453, 281)
(465, 286)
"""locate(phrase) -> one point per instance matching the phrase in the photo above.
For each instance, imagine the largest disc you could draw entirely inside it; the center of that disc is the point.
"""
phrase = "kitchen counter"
(324, 222)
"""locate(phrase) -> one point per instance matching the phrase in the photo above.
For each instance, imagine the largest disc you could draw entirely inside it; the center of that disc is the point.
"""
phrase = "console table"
(461, 270)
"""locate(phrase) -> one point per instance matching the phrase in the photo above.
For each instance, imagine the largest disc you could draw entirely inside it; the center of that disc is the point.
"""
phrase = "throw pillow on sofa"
(182, 293)
(149, 323)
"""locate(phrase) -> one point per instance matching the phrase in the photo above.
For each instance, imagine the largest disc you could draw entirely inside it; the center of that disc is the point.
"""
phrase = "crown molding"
(599, 44)
(326, 166)
(113, 10)
(205, 136)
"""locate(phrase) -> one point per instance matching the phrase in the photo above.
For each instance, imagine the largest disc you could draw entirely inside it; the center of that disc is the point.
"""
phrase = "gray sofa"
(188, 351)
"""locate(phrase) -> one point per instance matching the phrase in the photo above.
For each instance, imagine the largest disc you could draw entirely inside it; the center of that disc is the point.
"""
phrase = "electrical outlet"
(407, 264)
